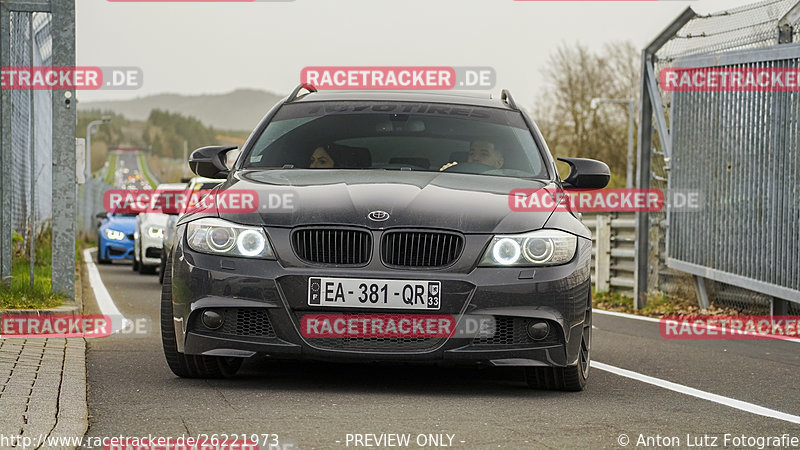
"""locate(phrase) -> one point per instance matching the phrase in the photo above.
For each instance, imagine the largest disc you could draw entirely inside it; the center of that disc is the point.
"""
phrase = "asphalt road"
(128, 174)
(316, 405)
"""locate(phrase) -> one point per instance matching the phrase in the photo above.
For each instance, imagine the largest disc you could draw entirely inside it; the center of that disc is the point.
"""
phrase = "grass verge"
(657, 305)
(146, 171)
(20, 294)
(111, 170)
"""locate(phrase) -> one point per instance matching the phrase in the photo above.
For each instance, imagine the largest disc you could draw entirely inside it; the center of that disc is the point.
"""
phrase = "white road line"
(725, 401)
(705, 327)
(104, 300)
(627, 316)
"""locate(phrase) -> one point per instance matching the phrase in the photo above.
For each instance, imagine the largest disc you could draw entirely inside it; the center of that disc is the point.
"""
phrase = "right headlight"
(155, 232)
(114, 235)
(537, 248)
(220, 237)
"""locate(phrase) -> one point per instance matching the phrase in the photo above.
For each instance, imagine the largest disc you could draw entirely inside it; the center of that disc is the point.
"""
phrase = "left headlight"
(155, 232)
(220, 237)
(537, 248)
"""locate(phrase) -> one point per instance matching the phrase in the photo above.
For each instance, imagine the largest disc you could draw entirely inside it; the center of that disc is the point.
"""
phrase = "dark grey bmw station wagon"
(383, 232)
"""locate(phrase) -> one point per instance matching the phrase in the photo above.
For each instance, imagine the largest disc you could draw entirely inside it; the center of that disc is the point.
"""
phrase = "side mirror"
(101, 215)
(210, 161)
(586, 173)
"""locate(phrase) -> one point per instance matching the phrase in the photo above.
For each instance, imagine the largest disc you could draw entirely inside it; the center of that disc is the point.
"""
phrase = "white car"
(149, 232)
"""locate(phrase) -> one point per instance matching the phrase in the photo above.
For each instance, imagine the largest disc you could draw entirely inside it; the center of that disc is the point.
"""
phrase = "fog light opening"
(212, 319)
(538, 330)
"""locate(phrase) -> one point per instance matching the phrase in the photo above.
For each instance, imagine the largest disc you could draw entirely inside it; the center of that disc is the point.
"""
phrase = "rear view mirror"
(586, 173)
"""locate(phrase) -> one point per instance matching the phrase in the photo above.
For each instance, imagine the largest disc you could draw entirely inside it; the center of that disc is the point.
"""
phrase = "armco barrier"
(613, 254)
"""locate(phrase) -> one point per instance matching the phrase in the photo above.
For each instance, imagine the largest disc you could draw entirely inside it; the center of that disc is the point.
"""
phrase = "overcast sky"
(195, 48)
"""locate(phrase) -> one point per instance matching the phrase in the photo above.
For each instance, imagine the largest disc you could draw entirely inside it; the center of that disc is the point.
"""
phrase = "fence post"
(702, 293)
(644, 152)
(6, 227)
(603, 256)
(642, 245)
(64, 120)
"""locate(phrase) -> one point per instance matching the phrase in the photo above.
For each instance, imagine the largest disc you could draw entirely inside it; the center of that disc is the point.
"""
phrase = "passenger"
(321, 159)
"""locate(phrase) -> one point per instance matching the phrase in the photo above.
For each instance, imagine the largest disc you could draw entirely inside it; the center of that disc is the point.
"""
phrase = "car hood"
(126, 225)
(152, 218)
(462, 202)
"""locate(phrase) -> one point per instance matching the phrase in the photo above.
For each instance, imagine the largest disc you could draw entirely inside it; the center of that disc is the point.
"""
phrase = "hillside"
(237, 110)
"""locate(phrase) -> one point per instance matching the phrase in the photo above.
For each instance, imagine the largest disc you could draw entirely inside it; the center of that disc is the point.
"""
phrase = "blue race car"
(115, 236)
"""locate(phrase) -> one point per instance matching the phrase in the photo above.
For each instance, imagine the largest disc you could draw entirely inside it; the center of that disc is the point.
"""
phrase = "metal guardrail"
(613, 253)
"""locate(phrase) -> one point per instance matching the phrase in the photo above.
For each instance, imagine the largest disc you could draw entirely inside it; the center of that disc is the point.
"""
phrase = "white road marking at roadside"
(705, 327)
(725, 401)
(627, 316)
(104, 300)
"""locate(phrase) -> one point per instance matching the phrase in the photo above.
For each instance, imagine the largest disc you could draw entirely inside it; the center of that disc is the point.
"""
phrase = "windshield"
(399, 136)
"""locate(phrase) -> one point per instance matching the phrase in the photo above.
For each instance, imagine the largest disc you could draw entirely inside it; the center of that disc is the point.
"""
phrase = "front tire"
(182, 365)
(570, 378)
(162, 266)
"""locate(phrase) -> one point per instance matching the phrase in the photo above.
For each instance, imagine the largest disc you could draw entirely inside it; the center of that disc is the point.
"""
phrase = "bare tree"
(574, 76)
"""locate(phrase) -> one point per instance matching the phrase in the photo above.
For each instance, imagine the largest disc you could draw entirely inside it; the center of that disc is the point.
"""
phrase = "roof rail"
(307, 86)
(506, 97)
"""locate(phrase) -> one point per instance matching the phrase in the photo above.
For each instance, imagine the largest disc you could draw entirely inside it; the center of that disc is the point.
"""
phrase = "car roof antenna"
(506, 97)
(307, 86)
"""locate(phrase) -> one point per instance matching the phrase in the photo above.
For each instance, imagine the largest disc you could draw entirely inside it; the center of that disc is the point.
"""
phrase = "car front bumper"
(262, 303)
(113, 249)
(150, 250)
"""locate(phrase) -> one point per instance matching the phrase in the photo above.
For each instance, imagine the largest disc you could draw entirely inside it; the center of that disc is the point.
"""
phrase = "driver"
(481, 151)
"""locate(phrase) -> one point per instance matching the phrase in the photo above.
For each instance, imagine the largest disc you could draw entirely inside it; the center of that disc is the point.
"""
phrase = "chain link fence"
(37, 133)
(693, 127)
(31, 45)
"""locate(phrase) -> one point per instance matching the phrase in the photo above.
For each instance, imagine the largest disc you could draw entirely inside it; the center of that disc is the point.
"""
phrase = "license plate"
(366, 293)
